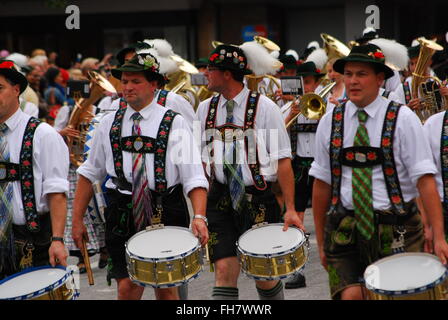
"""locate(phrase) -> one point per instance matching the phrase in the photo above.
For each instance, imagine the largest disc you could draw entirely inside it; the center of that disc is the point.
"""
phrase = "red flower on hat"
(213, 57)
(378, 55)
(6, 65)
(318, 70)
(299, 62)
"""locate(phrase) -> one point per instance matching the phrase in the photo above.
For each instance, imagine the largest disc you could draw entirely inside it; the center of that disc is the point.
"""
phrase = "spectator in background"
(89, 64)
(34, 76)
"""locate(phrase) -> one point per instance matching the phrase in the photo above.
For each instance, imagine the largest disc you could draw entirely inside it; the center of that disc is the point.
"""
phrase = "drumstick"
(87, 261)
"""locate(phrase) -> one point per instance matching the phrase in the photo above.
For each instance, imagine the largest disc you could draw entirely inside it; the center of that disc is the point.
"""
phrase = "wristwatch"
(199, 216)
(57, 239)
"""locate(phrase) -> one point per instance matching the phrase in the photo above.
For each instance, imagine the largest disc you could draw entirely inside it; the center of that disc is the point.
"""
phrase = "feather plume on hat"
(396, 54)
(162, 50)
(293, 53)
(166, 65)
(319, 57)
(259, 60)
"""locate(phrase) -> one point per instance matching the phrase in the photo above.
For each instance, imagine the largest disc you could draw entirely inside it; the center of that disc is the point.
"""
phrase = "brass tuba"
(427, 87)
(254, 83)
(333, 47)
(180, 82)
(312, 105)
(82, 115)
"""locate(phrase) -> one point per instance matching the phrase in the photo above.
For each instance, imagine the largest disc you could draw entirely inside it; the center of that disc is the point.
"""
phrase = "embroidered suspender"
(162, 97)
(297, 128)
(249, 123)
(386, 94)
(444, 159)
(388, 165)
(142, 144)
(407, 92)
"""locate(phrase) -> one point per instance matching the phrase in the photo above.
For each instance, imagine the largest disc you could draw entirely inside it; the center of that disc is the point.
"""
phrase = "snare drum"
(266, 252)
(39, 283)
(407, 276)
(163, 257)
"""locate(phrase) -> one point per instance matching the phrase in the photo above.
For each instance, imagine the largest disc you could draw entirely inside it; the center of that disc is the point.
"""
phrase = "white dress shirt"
(182, 164)
(433, 131)
(50, 163)
(272, 139)
(411, 151)
(29, 108)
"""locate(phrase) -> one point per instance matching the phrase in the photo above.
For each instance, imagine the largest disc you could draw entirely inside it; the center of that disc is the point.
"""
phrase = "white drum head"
(162, 243)
(270, 239)
(405, 271)
(30, 282)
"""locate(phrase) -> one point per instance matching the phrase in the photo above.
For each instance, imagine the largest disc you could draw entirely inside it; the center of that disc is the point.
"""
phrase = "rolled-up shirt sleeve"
(182, 150)
(320, 168)
(52, 157)
(414, 147)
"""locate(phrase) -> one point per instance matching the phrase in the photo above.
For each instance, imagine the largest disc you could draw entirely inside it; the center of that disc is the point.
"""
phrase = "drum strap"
(388, 161)
(158, 146)
(249, 123)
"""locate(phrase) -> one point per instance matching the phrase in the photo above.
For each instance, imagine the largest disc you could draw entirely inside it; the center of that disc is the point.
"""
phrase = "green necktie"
(362, 185)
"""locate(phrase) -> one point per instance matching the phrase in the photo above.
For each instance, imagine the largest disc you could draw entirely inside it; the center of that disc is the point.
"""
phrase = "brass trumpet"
(311, 105)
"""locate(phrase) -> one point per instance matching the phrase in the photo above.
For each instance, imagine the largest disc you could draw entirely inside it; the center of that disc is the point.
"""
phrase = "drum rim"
(270, 255)
(409, 291)
(40, 292)
(156, 260)
(170, 285)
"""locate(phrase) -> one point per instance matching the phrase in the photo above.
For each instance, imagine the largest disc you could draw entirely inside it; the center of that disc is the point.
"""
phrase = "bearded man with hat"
(241, 173)
(33, 183)
(138, 146)
(372, 160)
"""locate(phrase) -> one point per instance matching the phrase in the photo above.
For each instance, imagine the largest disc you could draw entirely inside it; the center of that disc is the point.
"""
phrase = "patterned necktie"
(141, 194)
(362, 185)
(7, 255)
(233, 170)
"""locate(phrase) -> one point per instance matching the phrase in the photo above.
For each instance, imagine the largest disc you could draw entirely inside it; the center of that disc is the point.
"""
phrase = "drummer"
(362, 213)
(33, 203)
(240, 194)
(141, 188)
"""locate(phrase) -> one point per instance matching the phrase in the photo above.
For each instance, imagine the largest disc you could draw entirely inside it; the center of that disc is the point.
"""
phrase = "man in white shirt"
(33, 184)
(436, 130)
(144, 148)
(240, 194)
(372, 160)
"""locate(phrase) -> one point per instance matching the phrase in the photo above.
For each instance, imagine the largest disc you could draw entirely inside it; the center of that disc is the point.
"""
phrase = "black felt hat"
(289, 62)
(228, 57)
(143, 62)
(413, 52)
(9, 71)
(368, 53)
(309, 69)
(132, 48)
